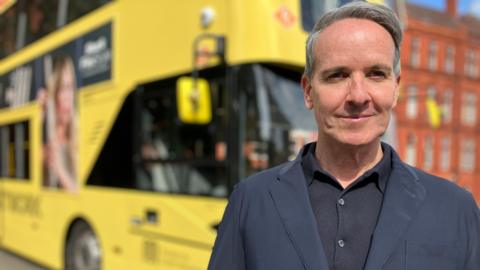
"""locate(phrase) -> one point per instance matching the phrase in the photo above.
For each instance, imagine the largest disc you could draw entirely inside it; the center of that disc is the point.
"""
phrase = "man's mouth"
(359, 116)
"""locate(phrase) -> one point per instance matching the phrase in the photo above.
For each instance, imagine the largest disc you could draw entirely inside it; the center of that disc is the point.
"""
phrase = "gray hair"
(379, 14)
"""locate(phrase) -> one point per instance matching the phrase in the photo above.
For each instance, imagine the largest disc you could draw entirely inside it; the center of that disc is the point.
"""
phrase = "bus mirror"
(193, 100)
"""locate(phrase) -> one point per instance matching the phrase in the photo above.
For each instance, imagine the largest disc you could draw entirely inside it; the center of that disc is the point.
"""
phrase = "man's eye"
(337, 76)
(377, 74)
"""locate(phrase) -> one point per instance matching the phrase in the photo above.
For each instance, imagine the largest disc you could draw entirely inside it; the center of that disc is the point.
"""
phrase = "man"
(348, 201)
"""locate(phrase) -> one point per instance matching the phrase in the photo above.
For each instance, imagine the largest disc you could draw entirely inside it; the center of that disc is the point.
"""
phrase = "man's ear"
(397, 91)
(307, 92)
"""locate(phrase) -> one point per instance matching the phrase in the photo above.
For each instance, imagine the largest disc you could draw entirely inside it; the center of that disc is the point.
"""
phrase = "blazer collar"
(291, 199)
(402, 201)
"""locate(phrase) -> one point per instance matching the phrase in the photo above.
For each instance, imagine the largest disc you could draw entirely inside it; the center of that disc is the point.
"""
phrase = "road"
(9, 261)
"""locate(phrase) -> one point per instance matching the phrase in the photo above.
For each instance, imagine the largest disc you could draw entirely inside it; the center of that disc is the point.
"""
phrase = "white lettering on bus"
(96, 58)
(96, 46)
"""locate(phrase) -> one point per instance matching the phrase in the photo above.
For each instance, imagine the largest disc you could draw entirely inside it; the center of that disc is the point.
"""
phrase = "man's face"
(353, 88)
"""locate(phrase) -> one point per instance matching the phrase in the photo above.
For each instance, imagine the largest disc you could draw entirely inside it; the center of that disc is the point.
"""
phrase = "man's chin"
(358, 140)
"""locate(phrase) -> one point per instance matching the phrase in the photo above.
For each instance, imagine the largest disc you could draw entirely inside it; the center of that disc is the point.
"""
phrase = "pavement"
(9, 261)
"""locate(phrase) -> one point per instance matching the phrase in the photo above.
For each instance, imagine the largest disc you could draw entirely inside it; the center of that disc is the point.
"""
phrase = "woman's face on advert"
(65, 96)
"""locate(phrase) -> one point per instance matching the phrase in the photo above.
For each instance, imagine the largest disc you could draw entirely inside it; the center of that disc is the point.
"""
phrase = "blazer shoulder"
(265, 177)
(442, 188)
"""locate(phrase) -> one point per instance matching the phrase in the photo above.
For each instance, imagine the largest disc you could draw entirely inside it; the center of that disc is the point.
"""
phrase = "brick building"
(440, 61)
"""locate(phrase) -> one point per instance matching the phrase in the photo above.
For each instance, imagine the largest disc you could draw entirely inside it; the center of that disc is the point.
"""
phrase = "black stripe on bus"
(170, 238)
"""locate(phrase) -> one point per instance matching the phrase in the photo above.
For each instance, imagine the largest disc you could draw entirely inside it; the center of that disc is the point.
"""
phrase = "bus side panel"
(21, 204)
(107, 218)
(171, 231)
(22, 220)
(2, 210)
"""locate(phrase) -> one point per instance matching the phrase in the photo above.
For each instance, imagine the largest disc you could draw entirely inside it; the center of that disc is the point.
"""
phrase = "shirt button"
(341, 243)
(341, 201)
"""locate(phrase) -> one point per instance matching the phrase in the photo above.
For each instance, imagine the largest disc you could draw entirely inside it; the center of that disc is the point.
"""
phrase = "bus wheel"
(83, 249)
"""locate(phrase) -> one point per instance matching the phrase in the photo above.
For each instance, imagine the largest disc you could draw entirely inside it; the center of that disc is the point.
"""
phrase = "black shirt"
(346, 218)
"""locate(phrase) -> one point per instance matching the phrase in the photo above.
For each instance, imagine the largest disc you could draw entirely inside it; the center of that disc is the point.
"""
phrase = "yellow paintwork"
(151, 40)
(5, 4)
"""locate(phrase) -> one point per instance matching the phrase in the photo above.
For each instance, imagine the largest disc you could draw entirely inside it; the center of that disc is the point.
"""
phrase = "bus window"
(15, 151)
(41, 17)
(276, 122)
(170, 156)
(4, 151)
(11, 151)
(77, 9)
(8, 28)
(21, 150)
(178, 157)
(29, 20)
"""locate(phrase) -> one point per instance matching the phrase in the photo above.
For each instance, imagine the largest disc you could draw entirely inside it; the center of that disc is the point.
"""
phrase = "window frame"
(15, 151)
(467, 155)
(415, 52)
(433, 56)
(469, 108)
(445, 154)
(428, 154)
(447, 106)
(449, 65)
(411, 106)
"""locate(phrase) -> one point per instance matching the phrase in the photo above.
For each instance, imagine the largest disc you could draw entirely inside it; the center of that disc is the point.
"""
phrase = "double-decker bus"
(124, 125)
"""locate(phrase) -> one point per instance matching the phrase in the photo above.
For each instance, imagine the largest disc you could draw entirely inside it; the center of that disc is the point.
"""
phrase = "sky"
(464, 6)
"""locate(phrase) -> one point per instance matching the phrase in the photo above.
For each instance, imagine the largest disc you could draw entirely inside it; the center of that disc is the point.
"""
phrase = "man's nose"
(358, 91)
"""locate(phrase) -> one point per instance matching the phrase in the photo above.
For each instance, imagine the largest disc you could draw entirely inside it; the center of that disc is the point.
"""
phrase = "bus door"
(2, 203)
(3, 168)
(181, 165)
(19, 203)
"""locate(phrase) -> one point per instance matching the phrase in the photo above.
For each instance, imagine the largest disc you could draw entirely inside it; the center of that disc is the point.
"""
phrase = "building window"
(415, 53)
(469, 108)
(450, 60)
(312, 10)
(432, 55)
(447, 106)
(412, 102)
(411, 151)
(467, 155)
(471, 64)
(445, 154)
(432, 92)
(428, 153)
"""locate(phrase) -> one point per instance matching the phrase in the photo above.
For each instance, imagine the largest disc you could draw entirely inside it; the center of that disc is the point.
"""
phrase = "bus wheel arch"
(82, 250)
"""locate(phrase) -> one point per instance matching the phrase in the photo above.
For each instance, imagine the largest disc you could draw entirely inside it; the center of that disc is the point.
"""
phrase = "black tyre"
(83, 249)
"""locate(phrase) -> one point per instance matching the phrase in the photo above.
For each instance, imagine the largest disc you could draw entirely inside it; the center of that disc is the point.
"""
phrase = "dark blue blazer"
(425, 223)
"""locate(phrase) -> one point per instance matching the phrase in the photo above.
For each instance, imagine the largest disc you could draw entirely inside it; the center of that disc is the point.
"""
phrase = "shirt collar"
(382, 169)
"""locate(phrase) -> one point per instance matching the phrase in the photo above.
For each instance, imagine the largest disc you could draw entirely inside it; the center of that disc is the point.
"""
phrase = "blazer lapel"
(403, 198)
(292, 202)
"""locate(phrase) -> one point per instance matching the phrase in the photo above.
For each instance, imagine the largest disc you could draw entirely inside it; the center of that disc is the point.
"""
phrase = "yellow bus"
(124, 125)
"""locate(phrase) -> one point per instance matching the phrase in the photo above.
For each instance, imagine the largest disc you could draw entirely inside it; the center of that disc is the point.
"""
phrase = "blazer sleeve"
(473, 229)
(228, 252)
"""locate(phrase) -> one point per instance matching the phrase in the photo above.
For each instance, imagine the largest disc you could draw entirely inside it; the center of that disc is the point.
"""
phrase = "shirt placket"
(340, 240)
